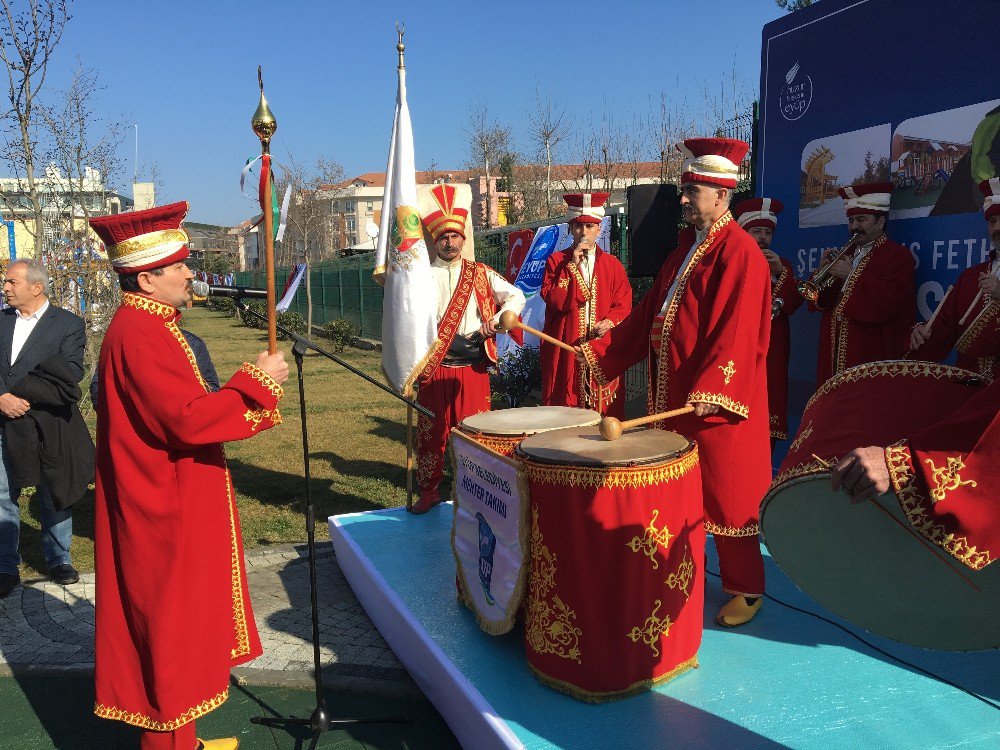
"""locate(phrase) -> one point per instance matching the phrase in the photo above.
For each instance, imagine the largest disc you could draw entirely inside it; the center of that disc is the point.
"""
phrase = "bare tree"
(489, 142)
(548, 127)
(310, 219)
(27, 40)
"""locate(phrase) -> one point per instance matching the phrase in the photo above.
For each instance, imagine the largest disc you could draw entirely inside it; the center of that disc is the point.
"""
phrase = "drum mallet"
(611, 428)
(509, 321)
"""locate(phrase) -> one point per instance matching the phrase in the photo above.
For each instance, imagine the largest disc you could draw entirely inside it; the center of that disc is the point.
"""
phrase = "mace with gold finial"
(264, 124)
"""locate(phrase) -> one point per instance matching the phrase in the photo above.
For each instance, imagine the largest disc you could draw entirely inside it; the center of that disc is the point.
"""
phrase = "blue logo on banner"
(529, 279)
(487, 545)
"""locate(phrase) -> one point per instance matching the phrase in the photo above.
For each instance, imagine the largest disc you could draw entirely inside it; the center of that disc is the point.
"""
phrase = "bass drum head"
(584, 446)
(876, 571)
(528, 420)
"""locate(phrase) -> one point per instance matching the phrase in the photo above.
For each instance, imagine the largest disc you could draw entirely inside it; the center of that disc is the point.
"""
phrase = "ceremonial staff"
(264, 125)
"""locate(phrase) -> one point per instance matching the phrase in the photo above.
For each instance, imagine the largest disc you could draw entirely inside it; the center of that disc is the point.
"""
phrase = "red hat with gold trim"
(866, 198)
(144, 240)
(991, 191)
(586, 208)
(758, 212)
(714, 161)
(444, 208)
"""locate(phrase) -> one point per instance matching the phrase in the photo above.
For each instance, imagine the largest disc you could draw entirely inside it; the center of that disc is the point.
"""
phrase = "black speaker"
(653, 218)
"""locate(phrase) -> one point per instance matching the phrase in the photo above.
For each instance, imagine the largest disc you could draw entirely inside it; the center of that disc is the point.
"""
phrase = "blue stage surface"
(784, 680)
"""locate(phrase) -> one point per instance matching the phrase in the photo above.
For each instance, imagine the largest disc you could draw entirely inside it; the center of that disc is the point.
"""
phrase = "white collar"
(36, 314)
(441, 263)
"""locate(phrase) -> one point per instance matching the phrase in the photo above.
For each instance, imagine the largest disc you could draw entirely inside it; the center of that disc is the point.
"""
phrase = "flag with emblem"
(402, 266)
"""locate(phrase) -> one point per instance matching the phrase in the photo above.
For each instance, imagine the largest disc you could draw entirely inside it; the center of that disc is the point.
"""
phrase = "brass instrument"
(821, 277)
(776, 304)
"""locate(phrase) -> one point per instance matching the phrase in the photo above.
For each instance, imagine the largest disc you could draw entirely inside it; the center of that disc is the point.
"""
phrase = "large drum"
(867, 562)
(616, 583)
(504, 429)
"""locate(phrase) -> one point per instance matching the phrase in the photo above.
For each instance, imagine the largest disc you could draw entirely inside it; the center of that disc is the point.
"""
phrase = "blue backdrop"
(907, 91)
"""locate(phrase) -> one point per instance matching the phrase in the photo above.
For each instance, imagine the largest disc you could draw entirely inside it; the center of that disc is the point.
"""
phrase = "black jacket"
(58, 331)
(51, 444)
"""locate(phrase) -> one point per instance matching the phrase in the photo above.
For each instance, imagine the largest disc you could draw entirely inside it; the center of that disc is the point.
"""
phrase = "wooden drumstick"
(972, 307)
(611, 428)
(930, 320)
(509, 321)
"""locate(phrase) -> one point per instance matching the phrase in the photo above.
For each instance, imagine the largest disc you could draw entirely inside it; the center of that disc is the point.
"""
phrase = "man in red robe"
(945, 479)
(586, 293)
(173, 611)
(969, 317)
(704, 327)
(871, 304)
(759, 217)
(454, 383)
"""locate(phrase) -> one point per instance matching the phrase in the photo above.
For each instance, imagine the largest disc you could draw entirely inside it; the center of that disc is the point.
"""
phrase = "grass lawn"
(357, 437)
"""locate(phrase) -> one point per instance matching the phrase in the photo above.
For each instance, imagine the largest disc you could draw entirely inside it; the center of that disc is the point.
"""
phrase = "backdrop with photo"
(878, 90)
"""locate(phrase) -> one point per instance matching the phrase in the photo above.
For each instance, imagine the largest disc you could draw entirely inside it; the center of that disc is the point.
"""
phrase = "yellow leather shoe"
(226, 743)
(737, 612)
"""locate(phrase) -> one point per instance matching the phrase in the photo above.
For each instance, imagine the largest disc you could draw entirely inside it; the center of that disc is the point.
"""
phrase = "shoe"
(8, 582)
(64, 574)
(428, 499)
(226, 743)
(738, 612)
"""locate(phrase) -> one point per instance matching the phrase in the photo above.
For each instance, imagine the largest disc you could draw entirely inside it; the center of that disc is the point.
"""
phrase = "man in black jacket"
(31, 331)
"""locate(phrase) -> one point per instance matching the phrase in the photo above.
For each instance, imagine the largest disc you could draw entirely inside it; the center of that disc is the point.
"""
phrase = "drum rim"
(470, 430)
(672, 456)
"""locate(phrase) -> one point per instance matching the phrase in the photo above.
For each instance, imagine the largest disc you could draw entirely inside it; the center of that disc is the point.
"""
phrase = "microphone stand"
(320, 720)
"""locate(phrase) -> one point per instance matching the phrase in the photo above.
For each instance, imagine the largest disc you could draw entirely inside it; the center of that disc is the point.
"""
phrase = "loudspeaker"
(653, 217)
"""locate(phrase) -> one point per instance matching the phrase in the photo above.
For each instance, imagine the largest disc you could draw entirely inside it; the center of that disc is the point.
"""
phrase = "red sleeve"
(789, 291)
(621, 293)
(561, 289)
(166, 395)
(883, 288)
(735, 331)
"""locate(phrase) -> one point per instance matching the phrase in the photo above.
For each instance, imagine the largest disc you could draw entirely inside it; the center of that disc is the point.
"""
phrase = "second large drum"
(502, 430)
(616, 584)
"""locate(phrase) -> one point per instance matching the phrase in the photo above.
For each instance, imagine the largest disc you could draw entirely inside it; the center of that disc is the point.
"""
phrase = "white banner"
(489, 535)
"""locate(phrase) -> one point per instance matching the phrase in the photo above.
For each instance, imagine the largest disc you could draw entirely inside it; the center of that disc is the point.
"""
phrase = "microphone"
(236, 292)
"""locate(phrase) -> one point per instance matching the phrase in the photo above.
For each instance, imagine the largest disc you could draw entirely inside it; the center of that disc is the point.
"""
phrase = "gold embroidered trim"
(549, 628)
(682, 577)
(144, 303)
(801, 437)
(256, 417)
(263, 378)
(985, 365)
(144, 722)
(239, 609)
(841, 325)
(652, 629)
(563, 283)
(176, 332)
(498, 443)
(914, 505)
(729, 404)
(802, 470)
(989, 314)
(669, 316)
(575, 270)
(595, 368)
(651, 539)
(779, 435)
(714, 528)
(611, 476)
(591, 696)
(729, 370)
(146, 242)
(947, 478)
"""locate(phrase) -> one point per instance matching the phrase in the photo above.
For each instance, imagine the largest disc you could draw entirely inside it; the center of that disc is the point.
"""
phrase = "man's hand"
(581, 360)
(701, 409)
(774, 262)
(990, 285)
(920, 333)
(862, 473)
(274, 365)
(488, 329)
(579, 253)
(602, 327)
(842, 268)
(13, 407)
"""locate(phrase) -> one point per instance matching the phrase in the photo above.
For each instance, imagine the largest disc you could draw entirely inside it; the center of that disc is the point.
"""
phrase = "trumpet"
(821, 277)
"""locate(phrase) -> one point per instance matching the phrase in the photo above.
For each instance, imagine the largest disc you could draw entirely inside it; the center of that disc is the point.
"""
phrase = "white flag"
(409, 307)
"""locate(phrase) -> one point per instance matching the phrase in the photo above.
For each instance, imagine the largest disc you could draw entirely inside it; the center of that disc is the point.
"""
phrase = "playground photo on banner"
(837, 160)
(937, 160)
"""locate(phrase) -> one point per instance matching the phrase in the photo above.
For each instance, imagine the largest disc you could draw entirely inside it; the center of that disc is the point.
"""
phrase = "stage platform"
(785, 680)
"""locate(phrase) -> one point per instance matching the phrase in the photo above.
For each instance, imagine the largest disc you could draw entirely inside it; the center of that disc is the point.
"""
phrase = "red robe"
(173, 610)
(710, 346)
(566, 294)
(977, 339)
(779, 350)
(867, 318)
(947, 483)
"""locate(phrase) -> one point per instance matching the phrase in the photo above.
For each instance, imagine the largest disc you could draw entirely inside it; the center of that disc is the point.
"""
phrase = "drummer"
(471, 296)
(969, 318)
(944, 477)
(704, 327)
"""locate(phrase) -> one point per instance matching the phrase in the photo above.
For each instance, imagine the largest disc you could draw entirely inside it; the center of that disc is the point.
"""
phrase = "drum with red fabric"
(504, 429)
(866, 562)
(616, 584)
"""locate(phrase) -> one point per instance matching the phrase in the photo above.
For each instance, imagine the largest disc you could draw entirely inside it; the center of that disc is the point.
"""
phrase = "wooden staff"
(264, 125)
(509, 321)
(611, 428)
(930, 320)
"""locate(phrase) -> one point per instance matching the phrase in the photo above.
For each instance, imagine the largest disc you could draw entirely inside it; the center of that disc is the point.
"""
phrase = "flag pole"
(264, 125)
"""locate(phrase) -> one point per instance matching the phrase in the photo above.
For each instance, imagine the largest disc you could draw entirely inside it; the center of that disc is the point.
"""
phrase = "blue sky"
(185, 72)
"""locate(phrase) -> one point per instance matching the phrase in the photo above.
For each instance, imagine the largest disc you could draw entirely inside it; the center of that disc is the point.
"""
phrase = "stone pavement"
(47, 626)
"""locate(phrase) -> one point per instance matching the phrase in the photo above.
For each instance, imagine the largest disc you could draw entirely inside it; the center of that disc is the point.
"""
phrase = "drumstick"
(611, 428)
(930, 320)
(509, 321)
(927, 545)
(968, 312)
